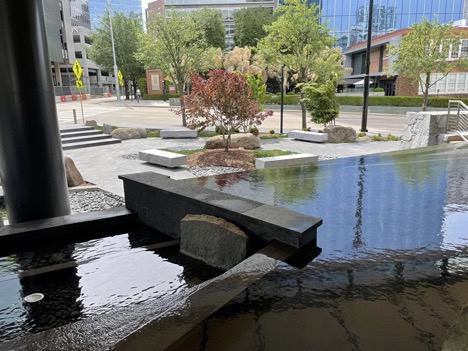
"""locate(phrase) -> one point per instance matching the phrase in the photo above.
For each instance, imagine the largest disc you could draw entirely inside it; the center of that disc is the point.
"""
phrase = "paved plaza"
(102, 165)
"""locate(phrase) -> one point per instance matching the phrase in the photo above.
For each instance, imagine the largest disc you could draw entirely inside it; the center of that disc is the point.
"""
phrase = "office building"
(98, 7)
(227, 7)
(348, 19)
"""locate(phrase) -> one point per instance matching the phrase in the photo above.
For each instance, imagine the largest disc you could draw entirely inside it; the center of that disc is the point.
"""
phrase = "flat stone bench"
(285, 160)
(308, 136)
(178, 133)
(163, 158)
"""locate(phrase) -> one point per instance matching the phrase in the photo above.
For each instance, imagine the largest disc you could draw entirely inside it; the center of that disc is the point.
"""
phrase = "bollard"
(74, 116)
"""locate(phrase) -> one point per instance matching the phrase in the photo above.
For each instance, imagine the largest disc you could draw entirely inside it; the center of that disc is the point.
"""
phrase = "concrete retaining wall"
(423, 129)
(161, 203)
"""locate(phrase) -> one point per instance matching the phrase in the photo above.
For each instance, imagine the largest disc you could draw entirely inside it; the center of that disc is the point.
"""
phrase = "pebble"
(210, 171)
(87, 201)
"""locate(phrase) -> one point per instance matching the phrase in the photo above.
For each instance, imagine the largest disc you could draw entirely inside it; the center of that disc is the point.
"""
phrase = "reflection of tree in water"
(357, 241)
(292, 184)
(417, 169)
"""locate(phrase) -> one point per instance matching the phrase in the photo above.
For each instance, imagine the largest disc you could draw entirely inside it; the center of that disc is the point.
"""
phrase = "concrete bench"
(163, 158)
(178, 133)
(285, 160)
(308, 136)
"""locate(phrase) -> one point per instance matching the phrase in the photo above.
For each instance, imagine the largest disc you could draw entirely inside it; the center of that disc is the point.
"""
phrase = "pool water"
(393, 271)
(90, 278)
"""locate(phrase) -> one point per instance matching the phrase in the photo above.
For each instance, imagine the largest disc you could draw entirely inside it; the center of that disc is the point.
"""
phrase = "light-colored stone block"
(163, 158)
(308, 136)
(285, 160)
(213, 240)
(178, 133)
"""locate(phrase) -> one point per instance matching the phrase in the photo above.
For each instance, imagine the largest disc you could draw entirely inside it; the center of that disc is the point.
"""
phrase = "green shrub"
(272, 131)
(159, 96)
(361, 134)
(378, 90)
(287, 99)
(377, 137)
(141, 83)
(320, 101)
(253, 130)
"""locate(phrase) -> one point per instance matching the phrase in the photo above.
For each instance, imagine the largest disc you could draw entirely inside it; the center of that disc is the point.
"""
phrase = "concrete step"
(84, 138)
(83, 144)
(74, 134)
(74, 128)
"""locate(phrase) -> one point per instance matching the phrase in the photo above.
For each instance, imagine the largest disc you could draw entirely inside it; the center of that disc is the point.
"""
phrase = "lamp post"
(365, 102)
(117, 88)
(282, 98)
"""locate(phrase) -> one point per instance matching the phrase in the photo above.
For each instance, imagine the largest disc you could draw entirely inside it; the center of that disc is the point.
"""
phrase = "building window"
(464, 48)
(452, 83)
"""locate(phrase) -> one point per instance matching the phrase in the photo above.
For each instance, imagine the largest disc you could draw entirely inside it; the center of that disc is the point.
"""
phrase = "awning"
(361, 82)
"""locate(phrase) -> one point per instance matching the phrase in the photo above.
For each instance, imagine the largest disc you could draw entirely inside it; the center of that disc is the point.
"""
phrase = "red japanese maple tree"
(223, 100)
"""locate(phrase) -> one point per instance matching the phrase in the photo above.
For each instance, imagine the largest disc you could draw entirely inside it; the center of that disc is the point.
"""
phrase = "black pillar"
(282, 99)
(365, 102)
(31, 161)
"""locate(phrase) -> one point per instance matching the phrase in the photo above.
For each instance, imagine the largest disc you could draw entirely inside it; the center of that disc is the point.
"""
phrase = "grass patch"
(389, 137)
(153, 133)
(272, 153)
(185, 152)
(272, 136)
(3, 212)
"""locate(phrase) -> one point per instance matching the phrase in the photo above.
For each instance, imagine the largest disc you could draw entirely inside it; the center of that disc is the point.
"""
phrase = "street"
(149, 114)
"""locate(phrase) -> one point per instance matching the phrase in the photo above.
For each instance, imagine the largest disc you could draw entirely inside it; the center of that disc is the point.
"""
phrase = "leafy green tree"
(424, 52)
(249, 23)
(175, 44)
(321, 102)
(211, 22)
(297, 39)
(126, 31)
(257, 87)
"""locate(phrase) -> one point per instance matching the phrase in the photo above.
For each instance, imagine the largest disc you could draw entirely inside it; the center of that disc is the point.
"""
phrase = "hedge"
(287, 99)
(404, 101)
(159, 96)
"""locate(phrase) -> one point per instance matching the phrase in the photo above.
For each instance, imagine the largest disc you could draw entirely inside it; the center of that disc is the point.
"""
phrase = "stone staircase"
(77, 137)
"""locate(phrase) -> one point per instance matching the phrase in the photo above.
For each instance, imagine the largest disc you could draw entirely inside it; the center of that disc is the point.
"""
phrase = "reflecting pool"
(90, 278)
(393, 271)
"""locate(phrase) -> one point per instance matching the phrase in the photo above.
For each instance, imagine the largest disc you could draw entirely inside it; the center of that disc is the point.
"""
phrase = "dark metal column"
(31, 161)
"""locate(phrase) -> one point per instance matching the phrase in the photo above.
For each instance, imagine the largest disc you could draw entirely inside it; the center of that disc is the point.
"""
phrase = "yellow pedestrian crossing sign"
(119, 75)
(77, 69)
(121, 83)
(79, 83)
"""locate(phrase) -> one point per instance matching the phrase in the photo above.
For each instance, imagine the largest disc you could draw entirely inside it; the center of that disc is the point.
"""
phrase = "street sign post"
(120, 76)
(78, 70)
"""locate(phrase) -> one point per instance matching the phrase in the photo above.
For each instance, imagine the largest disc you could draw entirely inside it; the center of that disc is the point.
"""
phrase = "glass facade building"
(98, 7)
(348, 19)
(79, 13)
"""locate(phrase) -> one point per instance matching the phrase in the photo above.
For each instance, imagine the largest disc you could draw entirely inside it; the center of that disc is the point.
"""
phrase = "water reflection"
(371, 203)
(91, 278)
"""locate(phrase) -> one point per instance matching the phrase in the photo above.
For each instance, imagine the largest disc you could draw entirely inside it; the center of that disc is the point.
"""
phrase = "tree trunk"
(127, 96)
(304, 113)
(180, 88)
(426, 91)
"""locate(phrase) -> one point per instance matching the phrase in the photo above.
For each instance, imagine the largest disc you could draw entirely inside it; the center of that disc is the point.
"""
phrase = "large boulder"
(128, 133)
(340, 134)
(74, 177)
(213, 240)
(243, 140)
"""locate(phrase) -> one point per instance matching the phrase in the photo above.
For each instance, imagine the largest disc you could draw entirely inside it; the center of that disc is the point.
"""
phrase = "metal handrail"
(459, 121)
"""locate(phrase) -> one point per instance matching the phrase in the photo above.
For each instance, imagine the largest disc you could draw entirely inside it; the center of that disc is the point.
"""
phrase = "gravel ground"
(88, 201)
